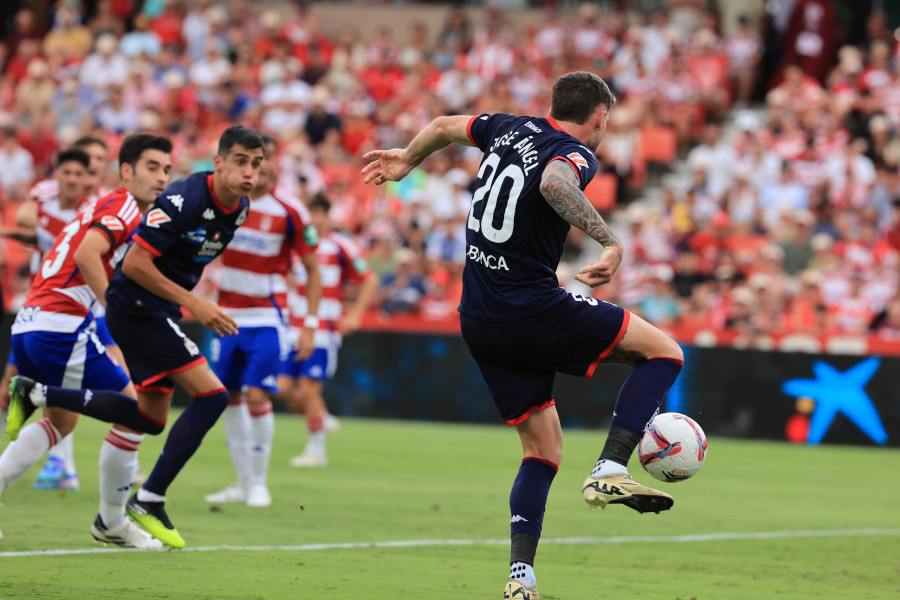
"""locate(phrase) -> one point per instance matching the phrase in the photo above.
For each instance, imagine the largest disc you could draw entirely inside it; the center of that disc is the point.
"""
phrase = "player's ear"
(218, 161)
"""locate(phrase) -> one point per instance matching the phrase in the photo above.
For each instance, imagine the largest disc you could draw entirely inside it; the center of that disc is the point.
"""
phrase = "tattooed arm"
(559, 186)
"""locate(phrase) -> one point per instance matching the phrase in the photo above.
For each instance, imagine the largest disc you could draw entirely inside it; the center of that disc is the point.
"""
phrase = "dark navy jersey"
(186, 229)
(514, 238)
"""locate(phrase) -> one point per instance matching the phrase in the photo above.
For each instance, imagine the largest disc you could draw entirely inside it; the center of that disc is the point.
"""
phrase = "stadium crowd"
(786, 216)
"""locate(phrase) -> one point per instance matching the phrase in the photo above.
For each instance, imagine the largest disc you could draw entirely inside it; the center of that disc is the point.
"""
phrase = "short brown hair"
(577, 95)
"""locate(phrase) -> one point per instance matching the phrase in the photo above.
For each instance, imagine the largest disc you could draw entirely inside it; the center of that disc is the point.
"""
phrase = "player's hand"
(350, 323)
(386, 165)
(601, 272)
(305, 344)
(210, 315)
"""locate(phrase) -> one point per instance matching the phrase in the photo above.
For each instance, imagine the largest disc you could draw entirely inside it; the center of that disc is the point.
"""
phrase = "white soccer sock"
(524, 573)
(608, 467)
(65, 452)
(315, 444)
(34, 440)
(263, 423)
(118, 462)
(238, 433)
(145, 496)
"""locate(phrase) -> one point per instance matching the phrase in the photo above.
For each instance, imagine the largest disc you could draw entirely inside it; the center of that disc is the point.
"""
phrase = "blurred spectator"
(403, 290)
(105, 20)
(106, 66)
(744, 49)
(115, 115)
(68, 35)
(784, 196)
(17, 173)
(141, 41)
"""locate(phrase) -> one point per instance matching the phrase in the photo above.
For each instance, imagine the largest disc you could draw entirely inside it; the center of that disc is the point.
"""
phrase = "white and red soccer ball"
(673, 447)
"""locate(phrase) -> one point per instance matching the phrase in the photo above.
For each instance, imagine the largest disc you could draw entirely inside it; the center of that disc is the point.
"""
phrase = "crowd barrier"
(800, 397)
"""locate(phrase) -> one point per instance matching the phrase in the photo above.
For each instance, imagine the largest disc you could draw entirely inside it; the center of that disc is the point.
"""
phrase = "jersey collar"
(222, 207)
(554, 124)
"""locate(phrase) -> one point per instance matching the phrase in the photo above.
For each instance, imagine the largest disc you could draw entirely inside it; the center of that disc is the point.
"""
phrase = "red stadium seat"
(658, 144)
(601, 191)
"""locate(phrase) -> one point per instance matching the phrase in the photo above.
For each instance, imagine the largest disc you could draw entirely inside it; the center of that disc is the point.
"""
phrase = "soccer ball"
(673, 447)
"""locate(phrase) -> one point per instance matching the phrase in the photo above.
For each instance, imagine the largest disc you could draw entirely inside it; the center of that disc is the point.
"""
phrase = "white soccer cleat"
(127, 535)
(308, 459)
(233, 494)
(259, 496)
(331, 424)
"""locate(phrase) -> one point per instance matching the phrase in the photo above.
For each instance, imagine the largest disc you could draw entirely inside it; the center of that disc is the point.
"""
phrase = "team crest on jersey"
(157, 217)
(112, 223)
(577, 159)
(241, 217)
(208, 214)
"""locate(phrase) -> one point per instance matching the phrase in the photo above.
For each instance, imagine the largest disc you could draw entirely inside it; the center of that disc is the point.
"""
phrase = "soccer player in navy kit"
(519, 324)
(190, 224)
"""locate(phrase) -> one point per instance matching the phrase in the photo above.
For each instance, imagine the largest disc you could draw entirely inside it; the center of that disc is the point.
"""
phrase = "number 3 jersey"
(514, 238)
(59, 299)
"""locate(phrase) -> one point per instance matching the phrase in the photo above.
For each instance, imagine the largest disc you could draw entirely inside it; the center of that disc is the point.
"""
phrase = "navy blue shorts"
(519, 359)
(154, 348)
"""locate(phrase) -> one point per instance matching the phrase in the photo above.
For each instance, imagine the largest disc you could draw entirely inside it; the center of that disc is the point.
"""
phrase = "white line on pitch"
(675, 539)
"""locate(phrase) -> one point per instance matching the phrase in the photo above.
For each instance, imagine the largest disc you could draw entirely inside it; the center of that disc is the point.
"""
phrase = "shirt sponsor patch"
(157, 217)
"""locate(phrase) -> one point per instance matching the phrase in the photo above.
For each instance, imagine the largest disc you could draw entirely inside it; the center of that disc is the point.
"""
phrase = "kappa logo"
(157, 217)
(208, 214)
(517, 519)
(177, 201)
(577, 159)
(112, 223)
(88, 395)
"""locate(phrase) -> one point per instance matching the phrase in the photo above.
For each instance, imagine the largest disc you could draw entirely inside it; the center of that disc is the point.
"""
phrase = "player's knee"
(154, 428)
(214, 401)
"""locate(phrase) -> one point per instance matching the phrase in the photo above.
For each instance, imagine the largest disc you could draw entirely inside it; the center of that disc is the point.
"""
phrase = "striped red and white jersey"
(52, 217)
(59, 299)
(252, 287)
(340, 260)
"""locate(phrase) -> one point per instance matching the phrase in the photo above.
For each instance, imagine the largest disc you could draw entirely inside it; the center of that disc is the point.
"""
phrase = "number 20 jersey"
(59, 299)
(514, 238)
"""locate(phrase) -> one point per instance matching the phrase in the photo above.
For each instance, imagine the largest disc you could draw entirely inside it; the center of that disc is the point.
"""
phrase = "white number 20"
(494, 185)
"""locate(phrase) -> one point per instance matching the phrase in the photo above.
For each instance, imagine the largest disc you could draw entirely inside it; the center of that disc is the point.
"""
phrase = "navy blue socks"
(638, 401)
(527, 501)
(185, 437)
(111, 407)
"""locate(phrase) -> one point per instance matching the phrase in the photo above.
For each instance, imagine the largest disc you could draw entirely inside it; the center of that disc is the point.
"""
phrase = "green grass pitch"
(771, 520)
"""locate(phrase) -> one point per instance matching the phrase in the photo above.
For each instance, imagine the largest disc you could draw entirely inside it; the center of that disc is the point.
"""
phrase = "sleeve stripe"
(571, 164)
(105, 229)
(146, 246)
(469, 130)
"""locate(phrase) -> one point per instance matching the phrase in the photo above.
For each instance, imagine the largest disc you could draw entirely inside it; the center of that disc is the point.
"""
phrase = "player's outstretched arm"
(559, 186)
(138, 266)
(394, 165)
